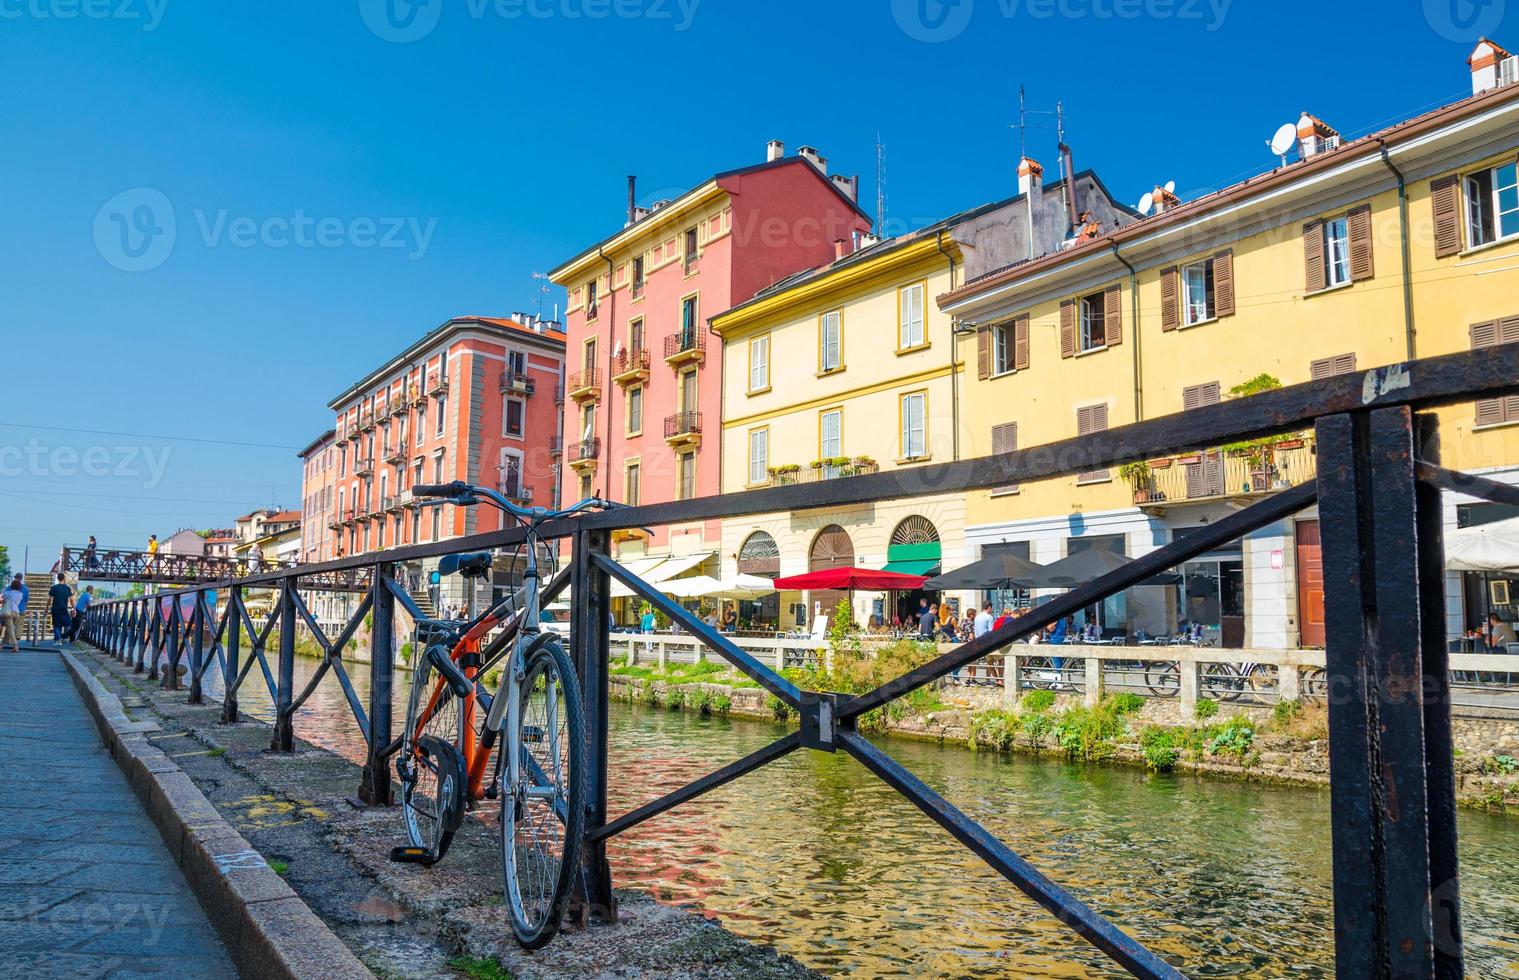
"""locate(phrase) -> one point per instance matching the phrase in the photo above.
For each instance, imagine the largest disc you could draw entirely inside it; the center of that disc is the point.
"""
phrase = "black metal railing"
(682, 424)
(585, 449)
(1378, 493)
(685, 343)
(517, 381)
(630, 363)
(584, 383)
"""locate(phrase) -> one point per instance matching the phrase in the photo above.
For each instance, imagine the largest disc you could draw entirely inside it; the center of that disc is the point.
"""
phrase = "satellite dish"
(1146, 203)
(1170, 187)
(1285, 137)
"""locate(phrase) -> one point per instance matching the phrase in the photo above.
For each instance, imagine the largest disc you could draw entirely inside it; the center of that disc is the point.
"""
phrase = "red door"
(1310, 584)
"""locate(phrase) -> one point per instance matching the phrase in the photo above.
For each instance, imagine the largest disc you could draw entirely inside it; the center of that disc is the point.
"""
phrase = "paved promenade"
(87, 888)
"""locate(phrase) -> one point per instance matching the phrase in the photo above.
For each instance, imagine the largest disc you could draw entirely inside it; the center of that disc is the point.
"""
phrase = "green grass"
(1206, 708)
(279, 867)
(217, 752)
(488, 968)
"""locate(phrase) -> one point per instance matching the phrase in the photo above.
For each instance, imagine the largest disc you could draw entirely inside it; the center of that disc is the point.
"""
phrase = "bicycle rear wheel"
(543, 811)
(1163, 679)
(430, 764)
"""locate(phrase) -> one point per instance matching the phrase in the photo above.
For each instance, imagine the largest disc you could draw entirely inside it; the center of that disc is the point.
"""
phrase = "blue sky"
(342, 176)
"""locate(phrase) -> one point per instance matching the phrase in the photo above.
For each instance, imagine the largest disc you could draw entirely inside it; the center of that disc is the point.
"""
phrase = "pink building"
(474, 400)
(644, 392)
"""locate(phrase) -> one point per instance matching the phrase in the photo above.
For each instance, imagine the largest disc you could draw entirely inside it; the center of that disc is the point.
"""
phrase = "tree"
(5, 562)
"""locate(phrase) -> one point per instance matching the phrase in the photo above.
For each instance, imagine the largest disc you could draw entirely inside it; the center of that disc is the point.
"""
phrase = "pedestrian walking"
(81, 607)
(61, 597)
(258, 557)
(152, 553)
(90, 561)
(12, 602)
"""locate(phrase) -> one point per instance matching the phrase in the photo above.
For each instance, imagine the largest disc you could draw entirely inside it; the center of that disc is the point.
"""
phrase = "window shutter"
(1198, 396)
(1490, 411)
(1223, 283)
(1344, 364)
(1359, 226)
(1170, 301)
(1020, 342)
(1112, 315)
(1508, 330)
(983, 352)
(1090, 419)
(1313, 255)
(1445, 200)
(1068, 328)
(1005, 440)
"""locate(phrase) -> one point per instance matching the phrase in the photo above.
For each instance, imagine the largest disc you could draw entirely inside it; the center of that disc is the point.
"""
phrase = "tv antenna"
(1282, 141)
(542, 278)
(880, 184)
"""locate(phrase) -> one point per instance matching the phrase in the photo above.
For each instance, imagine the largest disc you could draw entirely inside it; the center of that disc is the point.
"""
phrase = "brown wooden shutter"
(1112, 315)
(1005, 440)
(1328, 367)
(1068, 328)
(1445, 200)
(1197, 396)
(983, 352)
(1223, 283)
(1358, 222)
(1313, 256)
(1020, 343)
(1170, 300)
(1090, 419)
(1490, 333)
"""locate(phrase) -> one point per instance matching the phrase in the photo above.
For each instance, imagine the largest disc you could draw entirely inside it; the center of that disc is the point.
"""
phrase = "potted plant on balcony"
(1140, 479)
(784, 475)
(1259, 454)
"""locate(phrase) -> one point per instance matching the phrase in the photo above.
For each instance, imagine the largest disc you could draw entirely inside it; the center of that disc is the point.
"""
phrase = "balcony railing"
(687, 345)
(395, 454)
(363, 467)
(631, 365)
(518, 382)
(515, 491)
(683, 427)
(586, 450)
(783, 476)
(1217, 474)
(437, 385)
(586, 384)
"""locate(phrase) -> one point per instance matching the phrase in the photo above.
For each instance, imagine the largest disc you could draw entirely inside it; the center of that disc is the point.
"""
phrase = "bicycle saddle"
(477, 565)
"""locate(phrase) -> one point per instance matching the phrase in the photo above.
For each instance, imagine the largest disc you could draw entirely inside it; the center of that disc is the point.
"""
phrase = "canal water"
(816, 857)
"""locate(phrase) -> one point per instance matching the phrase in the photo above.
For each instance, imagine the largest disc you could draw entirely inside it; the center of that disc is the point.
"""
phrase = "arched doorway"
(760, 556)
(914, 549)
(830, 549)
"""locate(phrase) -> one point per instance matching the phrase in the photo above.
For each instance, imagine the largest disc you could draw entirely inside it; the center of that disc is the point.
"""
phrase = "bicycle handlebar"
(464, 493)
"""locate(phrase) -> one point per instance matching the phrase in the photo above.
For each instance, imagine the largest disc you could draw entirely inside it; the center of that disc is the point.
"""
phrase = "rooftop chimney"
(842, 247)
(1164, 200)
(849, 185)
(1491, 66)
(810, 154)
(1315, 136)
(774, 150)
(1030, 176)
(632, 199)
(1072, 216)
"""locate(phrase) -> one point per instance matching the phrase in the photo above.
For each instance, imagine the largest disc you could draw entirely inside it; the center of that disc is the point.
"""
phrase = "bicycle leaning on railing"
(451, 752)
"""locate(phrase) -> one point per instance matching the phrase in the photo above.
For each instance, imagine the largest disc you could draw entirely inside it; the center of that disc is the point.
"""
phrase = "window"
(588, 361)
(1336, 252)
(688, 322)
(585, 485)
(635, 411)
(511, 474)
(442, 411)
(759, 364)
(590, 300)
(759, 456)
(1492, 205)
(686, 470)
(516, 363)
(690, 257)
(1093, 321)
(512, 418)
(587, 422)
(1328, 367)
(688, 401)
(1198, 301)
(421, 421)
(638, 277)
(831, 434)
(1002, 348)
(343, 461)
(1004, 440)
(910, 317)
(1090, 419)
(831, 341)
(914, 413)
(631, 478)
(635, 336)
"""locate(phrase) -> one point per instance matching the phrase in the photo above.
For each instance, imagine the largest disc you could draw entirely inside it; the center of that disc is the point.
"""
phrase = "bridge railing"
(1378, 494)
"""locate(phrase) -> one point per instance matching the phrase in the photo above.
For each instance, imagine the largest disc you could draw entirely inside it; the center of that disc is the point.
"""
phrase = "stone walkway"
(87, 888)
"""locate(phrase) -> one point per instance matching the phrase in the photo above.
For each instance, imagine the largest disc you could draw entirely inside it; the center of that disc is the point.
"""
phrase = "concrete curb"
(270, 932)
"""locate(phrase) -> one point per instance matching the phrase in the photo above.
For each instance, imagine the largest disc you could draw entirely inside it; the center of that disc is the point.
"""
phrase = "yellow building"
(1401, 244)
(851, 368)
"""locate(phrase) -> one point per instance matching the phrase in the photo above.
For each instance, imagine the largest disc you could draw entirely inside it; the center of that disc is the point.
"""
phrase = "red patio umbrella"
(851, 579)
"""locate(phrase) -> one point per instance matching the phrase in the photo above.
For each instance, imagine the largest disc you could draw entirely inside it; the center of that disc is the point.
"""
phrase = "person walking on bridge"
(152, 553)
(12, 602)
(90, 561)
(62, 597)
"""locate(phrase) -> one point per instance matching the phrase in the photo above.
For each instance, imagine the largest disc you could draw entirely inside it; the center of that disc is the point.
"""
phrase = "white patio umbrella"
(705, 586)
(1484, 548)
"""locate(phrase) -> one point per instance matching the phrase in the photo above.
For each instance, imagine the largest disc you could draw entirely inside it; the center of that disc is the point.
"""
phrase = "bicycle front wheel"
(543, 810)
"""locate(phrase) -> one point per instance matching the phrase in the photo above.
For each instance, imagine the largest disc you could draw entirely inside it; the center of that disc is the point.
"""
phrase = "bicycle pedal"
(411, 855)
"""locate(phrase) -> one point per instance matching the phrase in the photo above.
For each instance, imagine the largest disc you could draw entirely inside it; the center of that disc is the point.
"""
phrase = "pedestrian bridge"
(142, 568)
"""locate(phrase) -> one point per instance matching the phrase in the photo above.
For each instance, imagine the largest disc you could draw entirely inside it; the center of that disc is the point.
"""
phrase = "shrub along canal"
(815, 856)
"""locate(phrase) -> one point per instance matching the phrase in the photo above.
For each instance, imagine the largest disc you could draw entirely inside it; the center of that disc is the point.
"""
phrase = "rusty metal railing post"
(234, 642)
(155, 639)
(589, 631)
(284, 718)
(375, 788)
(197, 646)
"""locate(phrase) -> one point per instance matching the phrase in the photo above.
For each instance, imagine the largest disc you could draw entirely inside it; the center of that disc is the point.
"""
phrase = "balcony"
(631, 366)
(363, 467)
(395, 455)
(585, 386)
(556, 447)
(515, 491)
(683, 429)
(583, 454)
(1222, 474)
(517, 383)
(366, 420)
(398, 407)
(437, 384)
(393, 503)
(819, 470)
(686, 347)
